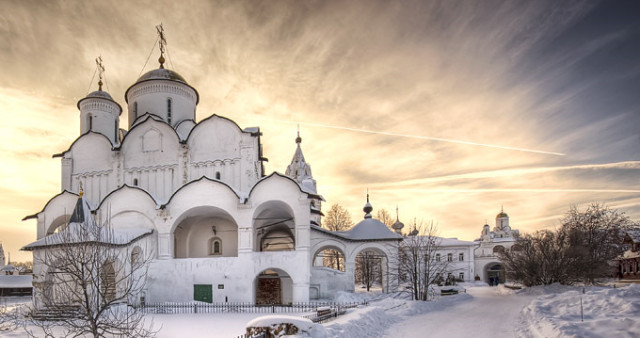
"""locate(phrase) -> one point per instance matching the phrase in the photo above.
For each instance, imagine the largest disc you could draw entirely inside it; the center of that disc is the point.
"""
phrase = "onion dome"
(397, 226)
(100, 113)
(370, 228)
(100, 94)
(367, 209)
(162, 74)
(502, 213)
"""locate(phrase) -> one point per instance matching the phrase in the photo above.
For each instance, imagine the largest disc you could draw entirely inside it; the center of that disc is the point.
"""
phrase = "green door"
(203, 293)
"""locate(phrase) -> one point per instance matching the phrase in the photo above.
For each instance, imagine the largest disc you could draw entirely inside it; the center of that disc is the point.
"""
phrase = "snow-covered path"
(488, 314)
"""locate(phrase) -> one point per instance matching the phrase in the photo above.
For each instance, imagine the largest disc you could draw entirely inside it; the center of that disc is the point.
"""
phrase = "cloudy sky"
(448, 109)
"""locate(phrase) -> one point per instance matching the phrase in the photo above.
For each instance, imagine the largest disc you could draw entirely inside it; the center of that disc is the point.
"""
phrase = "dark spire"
(367, 207)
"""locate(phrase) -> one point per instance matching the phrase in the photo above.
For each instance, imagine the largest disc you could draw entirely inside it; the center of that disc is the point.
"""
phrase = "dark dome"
(100, 94)
(162, 74)
(502, 214)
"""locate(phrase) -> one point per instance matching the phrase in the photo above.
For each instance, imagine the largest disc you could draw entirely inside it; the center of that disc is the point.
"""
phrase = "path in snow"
(489, 314)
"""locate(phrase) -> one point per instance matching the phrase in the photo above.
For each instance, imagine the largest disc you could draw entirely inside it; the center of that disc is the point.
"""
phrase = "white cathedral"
(195, 198)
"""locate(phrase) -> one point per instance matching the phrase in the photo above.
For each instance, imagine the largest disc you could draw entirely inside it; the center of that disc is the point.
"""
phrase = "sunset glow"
(447, 109)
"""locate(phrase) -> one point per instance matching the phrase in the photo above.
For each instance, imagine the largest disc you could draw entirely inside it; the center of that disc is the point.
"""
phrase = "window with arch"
(217, 175)
(135, 182)
(498, 249)
(169, 110)
(90, 122)
(215, 246)
(136, 257)
(108, 281)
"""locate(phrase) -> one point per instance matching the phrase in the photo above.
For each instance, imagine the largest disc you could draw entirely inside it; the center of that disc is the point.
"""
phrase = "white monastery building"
(491, 243)
(195, 198)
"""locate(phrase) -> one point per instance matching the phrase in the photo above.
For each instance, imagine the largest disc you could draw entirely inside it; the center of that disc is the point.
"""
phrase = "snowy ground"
(491, 312)
(486, 313)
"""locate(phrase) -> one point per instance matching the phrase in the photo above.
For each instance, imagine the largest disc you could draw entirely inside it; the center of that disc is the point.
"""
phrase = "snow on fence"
(191, 307)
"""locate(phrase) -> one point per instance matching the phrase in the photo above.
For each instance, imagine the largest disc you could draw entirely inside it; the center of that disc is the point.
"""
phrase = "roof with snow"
(370, 229)
(17, 281)
(366, 230)
(73, 234)
(455, 242)
(82, 228)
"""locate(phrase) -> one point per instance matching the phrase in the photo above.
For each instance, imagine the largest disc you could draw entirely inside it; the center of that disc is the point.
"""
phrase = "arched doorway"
(371, 270)
(273, 286)
(495, 274)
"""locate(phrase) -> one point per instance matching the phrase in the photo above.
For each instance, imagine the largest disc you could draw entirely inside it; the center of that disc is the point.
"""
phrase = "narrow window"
(90, 122)
(461, 257)
(449, 257)
(437, 257)
(135, 110)
(169, 110)
(135, 182)
(115, 131)
(217, 175)
(215, 246)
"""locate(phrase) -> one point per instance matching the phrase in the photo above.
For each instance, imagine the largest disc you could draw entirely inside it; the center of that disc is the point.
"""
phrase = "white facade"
(488, 267)
(210, 215)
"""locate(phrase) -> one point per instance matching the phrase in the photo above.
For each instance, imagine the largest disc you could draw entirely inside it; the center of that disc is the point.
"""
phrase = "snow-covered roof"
(15, 281)
(455, 242)
(370, 229)
(9, 268)
(74, 235)
(634, 235)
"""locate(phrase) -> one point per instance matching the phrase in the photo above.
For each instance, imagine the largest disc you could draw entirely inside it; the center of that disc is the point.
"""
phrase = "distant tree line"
(581, 250)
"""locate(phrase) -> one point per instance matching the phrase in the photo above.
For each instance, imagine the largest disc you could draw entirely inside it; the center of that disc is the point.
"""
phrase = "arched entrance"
(371, 270)
(495, 274)
(273, 286)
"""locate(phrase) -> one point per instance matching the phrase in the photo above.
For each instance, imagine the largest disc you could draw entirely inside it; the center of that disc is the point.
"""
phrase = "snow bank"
(306, 327)
(357, 297)
(372, 321)
(362, 323)
(607, 313)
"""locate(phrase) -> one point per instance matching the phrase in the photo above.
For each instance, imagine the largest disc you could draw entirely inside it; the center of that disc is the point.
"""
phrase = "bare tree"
(595, 238)
(337, 219)
(368, 268)
(87, 276)
(421, 262)
(332, 258)
(581, 250)
(385, 217)
(539, 259)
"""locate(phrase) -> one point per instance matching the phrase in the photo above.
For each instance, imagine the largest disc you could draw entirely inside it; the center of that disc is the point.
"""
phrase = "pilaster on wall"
(300, 292)
(67, 165)
(165, 246)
